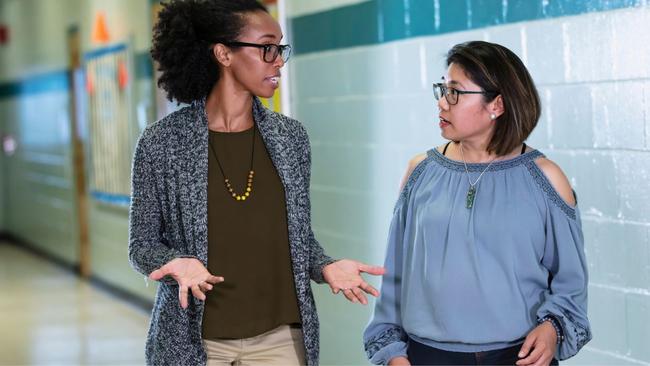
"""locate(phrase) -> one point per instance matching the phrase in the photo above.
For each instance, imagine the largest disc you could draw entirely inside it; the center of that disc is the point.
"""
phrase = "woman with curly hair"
(220, 210)
(485, 262)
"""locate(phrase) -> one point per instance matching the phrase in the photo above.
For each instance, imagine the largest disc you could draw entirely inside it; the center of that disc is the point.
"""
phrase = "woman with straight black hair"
(220, 210)
(485, 262)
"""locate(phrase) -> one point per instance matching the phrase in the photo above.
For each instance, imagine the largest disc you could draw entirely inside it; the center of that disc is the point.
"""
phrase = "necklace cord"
(467, 170)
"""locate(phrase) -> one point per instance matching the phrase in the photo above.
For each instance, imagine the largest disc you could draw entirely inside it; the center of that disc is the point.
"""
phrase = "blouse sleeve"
(384, 338)
(566, 297)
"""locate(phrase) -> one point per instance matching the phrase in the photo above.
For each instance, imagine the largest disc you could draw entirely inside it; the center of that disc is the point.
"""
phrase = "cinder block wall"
(361, 84)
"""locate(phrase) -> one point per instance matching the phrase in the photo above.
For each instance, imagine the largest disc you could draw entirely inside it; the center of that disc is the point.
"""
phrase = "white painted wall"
(37, 36)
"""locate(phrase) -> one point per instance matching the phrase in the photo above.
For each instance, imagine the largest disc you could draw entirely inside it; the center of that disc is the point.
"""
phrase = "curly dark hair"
(182, 38)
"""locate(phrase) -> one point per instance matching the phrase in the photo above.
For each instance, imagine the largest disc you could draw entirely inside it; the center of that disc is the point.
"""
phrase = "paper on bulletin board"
(108, 86)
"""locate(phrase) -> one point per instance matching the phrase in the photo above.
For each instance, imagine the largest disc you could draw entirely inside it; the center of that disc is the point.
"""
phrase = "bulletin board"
(112, 140)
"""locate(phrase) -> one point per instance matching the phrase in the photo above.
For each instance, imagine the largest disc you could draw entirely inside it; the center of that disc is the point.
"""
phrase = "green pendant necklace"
(471, 192)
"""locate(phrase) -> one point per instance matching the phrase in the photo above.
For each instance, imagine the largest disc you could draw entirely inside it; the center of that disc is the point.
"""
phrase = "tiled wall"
(38, 179)
(368, 108)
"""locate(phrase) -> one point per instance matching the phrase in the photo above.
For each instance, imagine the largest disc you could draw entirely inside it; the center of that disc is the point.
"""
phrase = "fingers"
(533, 357)
(350, 295)
(543, 361)
(166, 270)
(373, 270)
(214, 279)
(205, 287)
(339, 286)
(159, 273)
(356, 293)
(360, 295)
(399, 361)
(196, 292)
(369, 289)
(525, 348)
(182, 296)
(198, 289)
(353, 295)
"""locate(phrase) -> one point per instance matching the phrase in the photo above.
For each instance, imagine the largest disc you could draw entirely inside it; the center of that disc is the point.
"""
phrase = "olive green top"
(248, 242)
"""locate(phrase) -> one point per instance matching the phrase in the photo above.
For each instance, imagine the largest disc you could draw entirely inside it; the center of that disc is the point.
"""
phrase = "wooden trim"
(78, 161)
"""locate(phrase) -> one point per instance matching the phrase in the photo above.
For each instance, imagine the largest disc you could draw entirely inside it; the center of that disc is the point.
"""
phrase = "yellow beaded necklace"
(249, 185)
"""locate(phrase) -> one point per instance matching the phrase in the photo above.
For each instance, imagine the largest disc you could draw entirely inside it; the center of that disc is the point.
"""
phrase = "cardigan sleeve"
(317, 257)
(147, 248)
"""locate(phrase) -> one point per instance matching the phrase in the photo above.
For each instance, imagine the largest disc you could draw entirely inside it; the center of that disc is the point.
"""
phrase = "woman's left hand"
(345, 275)
(543, 342)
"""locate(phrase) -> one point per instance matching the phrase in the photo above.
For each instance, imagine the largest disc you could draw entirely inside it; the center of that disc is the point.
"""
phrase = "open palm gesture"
(191, 275)
(345, 276)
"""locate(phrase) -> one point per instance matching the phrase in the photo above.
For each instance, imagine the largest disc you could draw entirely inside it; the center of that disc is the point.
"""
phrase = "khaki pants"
(280, 346)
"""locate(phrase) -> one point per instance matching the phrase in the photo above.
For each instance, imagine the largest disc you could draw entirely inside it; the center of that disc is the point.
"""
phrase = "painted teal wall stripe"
(57, 81)
(338, 28)
(453, 17)
(378, 21)
(41, 83)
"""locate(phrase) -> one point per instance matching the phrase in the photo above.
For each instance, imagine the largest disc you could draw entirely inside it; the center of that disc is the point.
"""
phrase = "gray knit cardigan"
(169, 219)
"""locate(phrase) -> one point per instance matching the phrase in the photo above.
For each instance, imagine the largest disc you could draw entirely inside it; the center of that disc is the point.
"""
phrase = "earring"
(493, 116)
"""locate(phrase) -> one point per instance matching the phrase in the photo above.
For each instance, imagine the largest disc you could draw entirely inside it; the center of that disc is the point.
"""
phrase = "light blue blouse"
(479, 279)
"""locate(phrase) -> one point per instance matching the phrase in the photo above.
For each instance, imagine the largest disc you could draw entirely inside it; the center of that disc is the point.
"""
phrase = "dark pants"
(420, 354)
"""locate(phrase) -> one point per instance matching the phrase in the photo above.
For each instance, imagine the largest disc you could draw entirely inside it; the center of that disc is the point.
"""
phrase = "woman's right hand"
(399, 361)
(191, 275)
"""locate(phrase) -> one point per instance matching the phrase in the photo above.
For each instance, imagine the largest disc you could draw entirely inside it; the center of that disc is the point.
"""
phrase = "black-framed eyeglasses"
(271, 51)
(452, 94)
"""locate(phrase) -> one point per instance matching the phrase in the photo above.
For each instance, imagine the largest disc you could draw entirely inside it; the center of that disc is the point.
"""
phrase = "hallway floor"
(50, 316)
